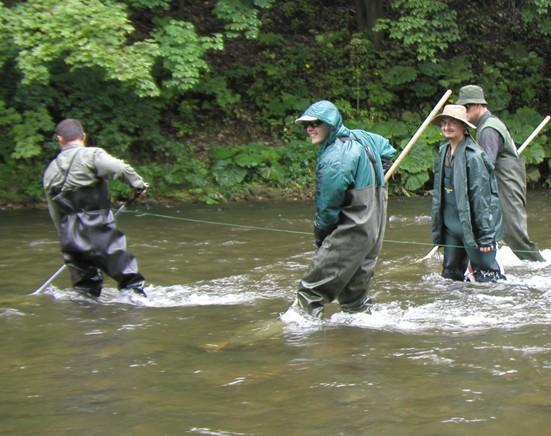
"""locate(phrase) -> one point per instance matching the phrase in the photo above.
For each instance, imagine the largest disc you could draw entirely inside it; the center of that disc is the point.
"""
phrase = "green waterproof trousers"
(343, 266)
(511, 179)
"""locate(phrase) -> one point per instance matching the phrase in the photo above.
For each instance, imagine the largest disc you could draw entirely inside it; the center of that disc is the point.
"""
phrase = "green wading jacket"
(476, 194)
(348, 159)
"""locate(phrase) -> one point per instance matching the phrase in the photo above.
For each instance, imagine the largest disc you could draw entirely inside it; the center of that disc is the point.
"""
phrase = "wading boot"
(307, 308)
(482, 276)
(138, 292)
(363, 306)
(93, 293)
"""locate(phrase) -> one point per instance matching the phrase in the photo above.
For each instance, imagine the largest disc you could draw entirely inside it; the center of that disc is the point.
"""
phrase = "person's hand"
(487, 248)
(320, 235)
(387, 164)
(141, 192)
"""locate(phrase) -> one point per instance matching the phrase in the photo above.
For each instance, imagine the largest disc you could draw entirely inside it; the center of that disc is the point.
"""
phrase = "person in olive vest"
(466, 213)
(496, 141)
(79, 202)
(351, 201)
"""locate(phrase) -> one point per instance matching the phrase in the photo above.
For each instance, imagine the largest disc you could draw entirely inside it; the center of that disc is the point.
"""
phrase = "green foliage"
(429, 27)
(84, 33)
(521, 125)
(399, 75)
(148, 4)
(218, 86)
(183, 51)
(4, 34)
(150, 77)
(29, 134)
(252, 163)
(241, 15)
(535, 14)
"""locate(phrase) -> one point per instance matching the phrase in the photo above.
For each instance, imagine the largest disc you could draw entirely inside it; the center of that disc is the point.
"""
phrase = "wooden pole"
(417, 134)
(533, 135)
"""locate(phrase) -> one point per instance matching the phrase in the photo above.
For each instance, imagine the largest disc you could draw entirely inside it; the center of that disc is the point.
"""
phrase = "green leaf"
(228, 176)
(399, 75)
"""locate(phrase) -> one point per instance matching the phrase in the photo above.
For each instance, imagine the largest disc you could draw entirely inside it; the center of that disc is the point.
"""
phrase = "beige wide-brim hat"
(455, 111)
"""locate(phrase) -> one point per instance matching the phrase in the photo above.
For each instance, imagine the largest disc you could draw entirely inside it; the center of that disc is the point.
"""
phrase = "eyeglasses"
(449, 122)
(313, 124)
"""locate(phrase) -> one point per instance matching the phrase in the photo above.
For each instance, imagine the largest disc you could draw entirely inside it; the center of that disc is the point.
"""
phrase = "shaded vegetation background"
(200, 96)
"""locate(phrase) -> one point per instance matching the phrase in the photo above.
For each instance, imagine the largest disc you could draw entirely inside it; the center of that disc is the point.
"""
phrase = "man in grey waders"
(351, 201)
(79, 202)
(494, 138)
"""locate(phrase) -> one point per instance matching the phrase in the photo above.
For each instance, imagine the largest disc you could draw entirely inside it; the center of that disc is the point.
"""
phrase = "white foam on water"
(406, 220)
(505, 257)
(454, 308)
(8, 312)
(232, 290)
(297, 321)
(409, 298)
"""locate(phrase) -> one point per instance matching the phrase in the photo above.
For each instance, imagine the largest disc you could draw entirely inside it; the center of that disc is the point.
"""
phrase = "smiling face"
(452, 129)
(317, 131)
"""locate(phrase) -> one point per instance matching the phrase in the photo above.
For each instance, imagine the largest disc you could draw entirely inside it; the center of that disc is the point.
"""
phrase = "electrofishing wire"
(139, 213)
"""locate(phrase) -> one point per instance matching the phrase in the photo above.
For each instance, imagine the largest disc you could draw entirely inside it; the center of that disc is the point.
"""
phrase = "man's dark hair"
(70, 129)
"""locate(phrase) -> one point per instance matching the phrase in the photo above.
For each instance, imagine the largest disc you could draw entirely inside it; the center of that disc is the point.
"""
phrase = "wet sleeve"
(491, 142)
(480, 199)
(331, 193)
(387, 151)
(110, 167)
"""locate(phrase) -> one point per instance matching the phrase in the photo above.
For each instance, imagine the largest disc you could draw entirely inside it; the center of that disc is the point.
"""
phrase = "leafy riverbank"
(201, 99)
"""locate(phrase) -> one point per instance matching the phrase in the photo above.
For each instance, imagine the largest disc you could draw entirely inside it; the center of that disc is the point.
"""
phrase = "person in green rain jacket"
(466, 213)
(495, 139)
(351, 201)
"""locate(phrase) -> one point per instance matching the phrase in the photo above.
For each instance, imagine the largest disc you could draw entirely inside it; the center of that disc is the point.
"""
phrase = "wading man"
(466, 214)
(79, 202)
(496, 141)
(351, 201)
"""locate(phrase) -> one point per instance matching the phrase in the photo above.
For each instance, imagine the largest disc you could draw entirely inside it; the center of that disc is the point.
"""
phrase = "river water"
(212, 350)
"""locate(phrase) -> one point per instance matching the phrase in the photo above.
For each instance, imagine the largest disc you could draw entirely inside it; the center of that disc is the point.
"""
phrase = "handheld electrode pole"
(62, 267)
(417, 134)
(519, 151)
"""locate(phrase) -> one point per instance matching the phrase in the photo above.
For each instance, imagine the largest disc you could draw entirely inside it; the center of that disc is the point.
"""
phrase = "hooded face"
(331, 122)
(318, 132)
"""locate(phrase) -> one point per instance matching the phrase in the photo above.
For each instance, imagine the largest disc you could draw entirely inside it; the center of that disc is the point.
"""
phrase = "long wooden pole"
(533, 135)
(519, 151)
(417, 134)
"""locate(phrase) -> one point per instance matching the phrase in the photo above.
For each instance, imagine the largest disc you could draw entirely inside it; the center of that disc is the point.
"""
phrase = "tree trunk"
(367, 13)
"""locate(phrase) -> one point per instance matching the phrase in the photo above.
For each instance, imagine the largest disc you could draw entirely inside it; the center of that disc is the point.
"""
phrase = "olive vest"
(509, 148)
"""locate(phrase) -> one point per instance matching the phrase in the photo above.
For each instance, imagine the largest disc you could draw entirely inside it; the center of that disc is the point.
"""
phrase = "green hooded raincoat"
(351, 201)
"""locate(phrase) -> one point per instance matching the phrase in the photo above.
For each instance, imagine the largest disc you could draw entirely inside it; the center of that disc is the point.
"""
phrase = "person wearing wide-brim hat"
(466, 214)
(494, 138)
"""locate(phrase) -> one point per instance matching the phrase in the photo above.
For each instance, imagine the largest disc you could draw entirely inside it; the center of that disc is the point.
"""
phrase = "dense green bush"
(202, 99)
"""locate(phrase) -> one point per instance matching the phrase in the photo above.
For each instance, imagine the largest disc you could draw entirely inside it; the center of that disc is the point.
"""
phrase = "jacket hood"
(327, 112)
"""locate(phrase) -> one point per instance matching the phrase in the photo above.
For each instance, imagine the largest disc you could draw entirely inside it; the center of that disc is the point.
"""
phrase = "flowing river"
(213, 352)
